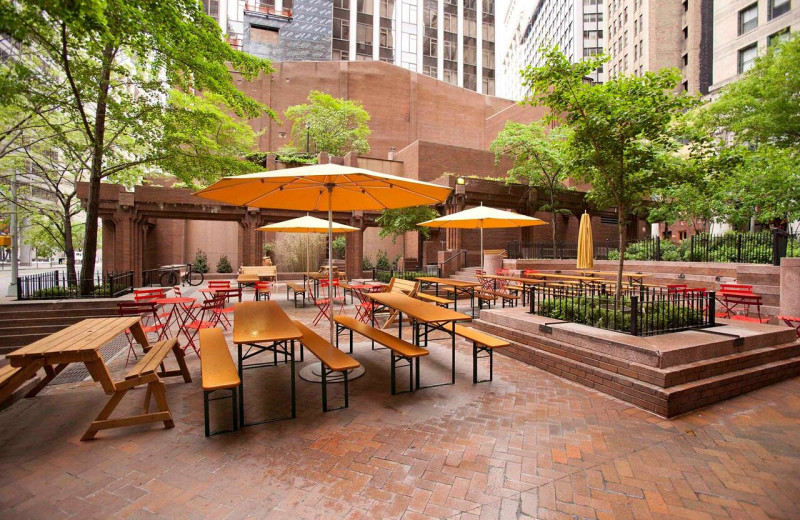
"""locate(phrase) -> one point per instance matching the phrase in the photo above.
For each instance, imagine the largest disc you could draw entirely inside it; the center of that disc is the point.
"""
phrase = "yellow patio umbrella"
(307, 224)
(483, 217)
(330, 187)
(585, 245)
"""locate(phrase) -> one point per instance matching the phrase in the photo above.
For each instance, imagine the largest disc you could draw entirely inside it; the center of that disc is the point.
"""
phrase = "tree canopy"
(334, 125)
(622, 136)
(130, 87)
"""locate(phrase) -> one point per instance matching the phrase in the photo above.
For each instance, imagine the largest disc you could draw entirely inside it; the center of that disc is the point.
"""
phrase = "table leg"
(50, 374)
(241, 385)
(140, 335)
(453, 348)
(294, 406)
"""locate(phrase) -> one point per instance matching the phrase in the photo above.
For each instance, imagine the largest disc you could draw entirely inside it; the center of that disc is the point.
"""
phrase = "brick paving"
(528, 445)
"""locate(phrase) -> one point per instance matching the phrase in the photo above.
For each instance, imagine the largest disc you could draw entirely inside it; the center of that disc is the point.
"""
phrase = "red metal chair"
(793, 322)
(149, 295)
(529, 272)
(206, 318)
(222, 312)
(262, 289)
(323, 304)
(365, 306)
(676, 288)
(146, 310)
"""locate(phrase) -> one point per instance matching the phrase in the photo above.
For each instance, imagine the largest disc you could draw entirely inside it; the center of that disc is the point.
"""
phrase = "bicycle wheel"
(194, 278)
(169, 279)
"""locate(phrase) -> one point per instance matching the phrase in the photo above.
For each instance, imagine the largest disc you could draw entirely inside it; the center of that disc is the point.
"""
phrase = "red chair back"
(737, 287)
(143, 309)
(219, 284)
(146, 295)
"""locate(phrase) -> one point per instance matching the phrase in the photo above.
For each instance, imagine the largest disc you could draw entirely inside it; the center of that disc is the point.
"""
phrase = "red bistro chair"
(793, 322)
(323, 304)
(262, 289)
(223, 312)
(146, 310)
(205, 318)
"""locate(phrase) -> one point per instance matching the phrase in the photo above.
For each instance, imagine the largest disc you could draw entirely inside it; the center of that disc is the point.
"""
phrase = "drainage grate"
(77, 371)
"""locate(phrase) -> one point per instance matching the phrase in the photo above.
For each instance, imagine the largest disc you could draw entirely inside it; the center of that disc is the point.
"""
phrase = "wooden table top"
(419, 310)
(520, 279)
(262, 322)
(77, 340)
(447, 281)
(614, 273)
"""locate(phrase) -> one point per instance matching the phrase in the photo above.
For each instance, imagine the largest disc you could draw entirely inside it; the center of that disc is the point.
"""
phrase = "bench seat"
(401, 349)
(332, 359)
(218, 372)
(143, 372)
(298, 289)
(11, 378)
(444, 302)
(481, 342)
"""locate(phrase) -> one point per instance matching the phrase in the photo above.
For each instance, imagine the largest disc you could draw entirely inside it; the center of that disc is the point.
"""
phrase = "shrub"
(366, 264)
(339, 245)
(382, 261)
(224, 265)
(200, 263)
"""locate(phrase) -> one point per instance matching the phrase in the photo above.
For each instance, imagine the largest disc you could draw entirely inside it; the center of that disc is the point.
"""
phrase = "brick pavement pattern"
(528, 445)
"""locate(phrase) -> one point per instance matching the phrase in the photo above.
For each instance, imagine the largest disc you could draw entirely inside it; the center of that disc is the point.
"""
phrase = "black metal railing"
(565, 250)
(385, 275)
(643, 311)
(55, 285)
(459, 254)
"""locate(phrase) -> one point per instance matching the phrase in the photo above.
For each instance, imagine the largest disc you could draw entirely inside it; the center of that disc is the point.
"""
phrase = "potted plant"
(269, 254)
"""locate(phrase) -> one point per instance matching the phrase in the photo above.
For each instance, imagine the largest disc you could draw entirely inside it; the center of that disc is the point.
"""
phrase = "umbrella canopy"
(483, 217)
(307, 224)
(585, 245)
(328, 187)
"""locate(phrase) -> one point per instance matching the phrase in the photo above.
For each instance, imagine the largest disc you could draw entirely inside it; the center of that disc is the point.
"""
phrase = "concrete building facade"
(648, 35)
(576, 26)
(743, 30)
(450, 40)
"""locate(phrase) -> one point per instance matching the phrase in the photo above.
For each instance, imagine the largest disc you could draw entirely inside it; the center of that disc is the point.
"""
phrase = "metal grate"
(77, 371)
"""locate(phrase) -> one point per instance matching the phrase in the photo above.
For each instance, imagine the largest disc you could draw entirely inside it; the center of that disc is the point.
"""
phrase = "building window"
(685, 33)
(685, 86)
(625, 15)
(641, 48)
(263, 35)
(777, 8)
(685, 60)
(450, 50)
(340, 55)
(778, 37)
(364, 34)
(429, 48)
(387, 8)
(341, 29)
(341, 4)
(364, 6)
(748, 18)
(747, 58)
(430, 18)
(685, 5)
(386, 38)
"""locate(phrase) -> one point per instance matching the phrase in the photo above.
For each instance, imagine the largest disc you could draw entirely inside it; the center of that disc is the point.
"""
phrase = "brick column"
(790, 281)
(248, 242)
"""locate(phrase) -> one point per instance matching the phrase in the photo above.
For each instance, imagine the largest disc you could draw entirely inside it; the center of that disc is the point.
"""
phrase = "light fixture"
(460, 180)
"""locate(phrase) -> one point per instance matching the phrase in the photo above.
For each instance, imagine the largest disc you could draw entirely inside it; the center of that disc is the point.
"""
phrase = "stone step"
(661, 351)
(694, 385)
(48, 314)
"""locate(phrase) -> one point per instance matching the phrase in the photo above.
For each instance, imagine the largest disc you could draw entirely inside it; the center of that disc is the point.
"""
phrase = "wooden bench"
(332, 359)
(144, 372)
(218, 372)
(481, 342)
(501, 252)
(401, 350)
(484, 294)
(261, 271)
(298, 289)
(399, 285)
(442, 302)
(11, 378)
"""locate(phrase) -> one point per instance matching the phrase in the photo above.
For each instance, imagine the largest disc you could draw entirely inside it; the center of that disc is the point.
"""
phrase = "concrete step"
(690, 386)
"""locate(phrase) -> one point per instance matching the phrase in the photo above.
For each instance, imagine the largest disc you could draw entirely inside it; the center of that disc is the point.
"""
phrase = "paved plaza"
(527, 445)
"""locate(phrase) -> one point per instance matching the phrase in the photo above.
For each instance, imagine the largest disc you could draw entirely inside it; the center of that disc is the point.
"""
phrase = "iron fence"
(567, 250)
(56, 285)
(385, 275)
(645, 311)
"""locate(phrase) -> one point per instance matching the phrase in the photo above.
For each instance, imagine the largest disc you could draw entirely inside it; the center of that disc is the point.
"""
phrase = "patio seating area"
(526, 444)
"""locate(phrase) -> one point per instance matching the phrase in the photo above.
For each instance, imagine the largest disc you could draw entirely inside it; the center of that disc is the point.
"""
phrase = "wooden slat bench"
(481, 342)
(218, 372)
(11, 378)
(442, 302)
(332, 359)
(144, 372)
(401, 350)
(298, 289)
(487, 295)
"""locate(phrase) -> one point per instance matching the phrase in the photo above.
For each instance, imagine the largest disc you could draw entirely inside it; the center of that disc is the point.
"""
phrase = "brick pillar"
(354, 248)
(790, 280)
(110, 243)
(248, 242)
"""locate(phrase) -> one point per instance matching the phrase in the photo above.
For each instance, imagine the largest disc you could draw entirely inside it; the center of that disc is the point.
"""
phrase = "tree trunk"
(69, 252)
(553, 220)
(93, 201)
(622, 247)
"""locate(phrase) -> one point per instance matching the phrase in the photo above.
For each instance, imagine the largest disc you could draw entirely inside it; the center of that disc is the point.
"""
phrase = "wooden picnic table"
(80, 343)
(632, 277)
(516, 279)
(429, 315)
(462, 286)
(262, 326)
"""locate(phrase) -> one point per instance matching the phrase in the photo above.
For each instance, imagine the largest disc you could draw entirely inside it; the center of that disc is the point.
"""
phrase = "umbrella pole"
(481, 245)
(330, 259)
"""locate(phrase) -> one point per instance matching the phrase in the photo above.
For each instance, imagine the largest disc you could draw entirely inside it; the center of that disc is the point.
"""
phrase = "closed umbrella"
(328, 187)
(483, 217)
(307, 224)
(585, 244)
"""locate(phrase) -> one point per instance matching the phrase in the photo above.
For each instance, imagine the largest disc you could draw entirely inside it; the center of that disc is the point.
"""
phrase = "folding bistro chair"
(262, 289)
(793, 322)
(323, 304)
(222, 312)
(206, 318)
(147, 310)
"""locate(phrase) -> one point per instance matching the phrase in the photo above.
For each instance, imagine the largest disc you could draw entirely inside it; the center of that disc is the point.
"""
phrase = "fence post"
(691, 249)
(19, 286)
(712, 308)
(738, 247)
(658, 249)
(533, 297)
(780, 240)
(634, 315)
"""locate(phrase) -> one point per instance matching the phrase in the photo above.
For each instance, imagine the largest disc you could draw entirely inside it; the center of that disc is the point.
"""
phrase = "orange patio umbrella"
(585, 244)
(330, 187)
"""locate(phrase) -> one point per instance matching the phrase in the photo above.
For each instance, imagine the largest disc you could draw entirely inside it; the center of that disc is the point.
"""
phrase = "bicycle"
(171, 276)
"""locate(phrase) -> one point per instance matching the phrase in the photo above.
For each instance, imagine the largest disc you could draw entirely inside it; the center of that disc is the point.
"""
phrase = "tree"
(540, 158)
(337, 126)
(621, 138)
(397, 222)
(130, 87)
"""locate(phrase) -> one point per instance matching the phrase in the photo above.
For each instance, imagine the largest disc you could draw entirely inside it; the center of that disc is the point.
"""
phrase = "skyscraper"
(451, 40)
(575, 26)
